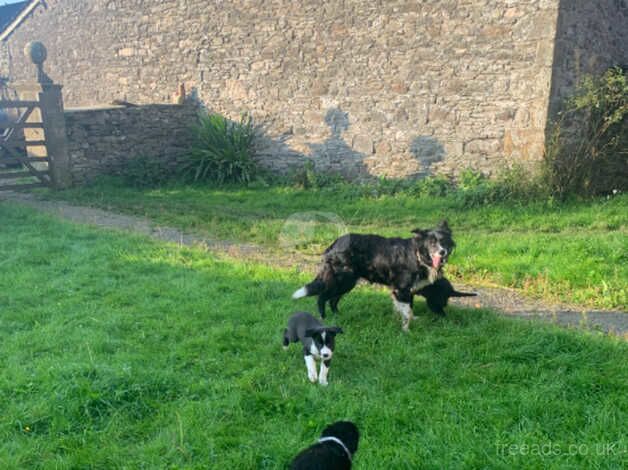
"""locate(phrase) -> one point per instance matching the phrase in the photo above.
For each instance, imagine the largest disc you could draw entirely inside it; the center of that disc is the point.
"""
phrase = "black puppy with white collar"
(318, 343)
(333, 451)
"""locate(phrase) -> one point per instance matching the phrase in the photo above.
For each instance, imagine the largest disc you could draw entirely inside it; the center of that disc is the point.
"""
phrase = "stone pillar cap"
(36, 52)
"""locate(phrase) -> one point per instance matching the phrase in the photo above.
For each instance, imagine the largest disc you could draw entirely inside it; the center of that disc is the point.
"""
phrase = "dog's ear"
(444, 226)
(312, 332)
(419, 233)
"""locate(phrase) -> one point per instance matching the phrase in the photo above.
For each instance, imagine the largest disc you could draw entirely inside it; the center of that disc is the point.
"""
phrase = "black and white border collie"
(318, 342)
(407, 265)
(333, 451)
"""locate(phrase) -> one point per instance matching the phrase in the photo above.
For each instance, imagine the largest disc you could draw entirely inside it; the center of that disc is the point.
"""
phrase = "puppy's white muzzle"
(326, 353)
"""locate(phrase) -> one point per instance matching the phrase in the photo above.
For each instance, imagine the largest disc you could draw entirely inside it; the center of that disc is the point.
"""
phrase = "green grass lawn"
(574, 252)
(122, 352)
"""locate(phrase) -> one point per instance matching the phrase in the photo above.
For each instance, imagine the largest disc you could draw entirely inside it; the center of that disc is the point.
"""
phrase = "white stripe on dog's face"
(326, 353)
(314, 350)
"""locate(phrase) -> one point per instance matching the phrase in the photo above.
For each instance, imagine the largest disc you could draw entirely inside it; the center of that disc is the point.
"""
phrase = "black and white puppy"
(318, 343)
(333, 451)
(437, 295)
(406, 265)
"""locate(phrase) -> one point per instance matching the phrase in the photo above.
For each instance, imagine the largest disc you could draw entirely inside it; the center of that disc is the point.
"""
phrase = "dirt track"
(505, 301)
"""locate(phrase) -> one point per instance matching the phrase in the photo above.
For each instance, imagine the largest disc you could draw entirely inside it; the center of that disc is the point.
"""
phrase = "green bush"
(432, 186)
(514, 184)
(588, 146)
(222, 151)
(307, 177)
(143, 171)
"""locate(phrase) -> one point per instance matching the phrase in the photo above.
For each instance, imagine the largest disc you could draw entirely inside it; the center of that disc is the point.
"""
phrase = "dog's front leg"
(311, 368)
(402, 301)
(322, 377)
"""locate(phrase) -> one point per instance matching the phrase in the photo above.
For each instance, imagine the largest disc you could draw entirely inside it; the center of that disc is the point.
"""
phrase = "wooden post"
(51, 115)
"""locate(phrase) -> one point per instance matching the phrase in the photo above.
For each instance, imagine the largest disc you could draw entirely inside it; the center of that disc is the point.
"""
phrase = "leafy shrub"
(432, 186)
(514, 184)
(307, 177)
(222, 151)
(143, 171)
(588, 145)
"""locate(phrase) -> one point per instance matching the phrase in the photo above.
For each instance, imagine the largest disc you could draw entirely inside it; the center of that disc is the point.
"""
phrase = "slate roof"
(9, 12)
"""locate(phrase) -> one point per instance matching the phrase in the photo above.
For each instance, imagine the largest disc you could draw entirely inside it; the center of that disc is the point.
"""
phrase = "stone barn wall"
(590, 38)
(102, 139)
(385, 87)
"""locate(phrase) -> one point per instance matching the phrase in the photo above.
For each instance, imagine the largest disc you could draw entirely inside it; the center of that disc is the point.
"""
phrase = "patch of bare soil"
(507, 302)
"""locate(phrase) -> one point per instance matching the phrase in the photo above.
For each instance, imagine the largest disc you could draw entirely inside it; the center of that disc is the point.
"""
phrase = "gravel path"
(505, 301)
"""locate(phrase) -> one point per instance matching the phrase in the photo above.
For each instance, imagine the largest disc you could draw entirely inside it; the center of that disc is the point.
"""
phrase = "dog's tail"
(313, 288)
(319, 284)
(455, 293)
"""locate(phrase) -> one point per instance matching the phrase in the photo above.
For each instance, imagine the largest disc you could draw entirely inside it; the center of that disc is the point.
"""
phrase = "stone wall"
(101, 139)
(590, 38)
(386, 87)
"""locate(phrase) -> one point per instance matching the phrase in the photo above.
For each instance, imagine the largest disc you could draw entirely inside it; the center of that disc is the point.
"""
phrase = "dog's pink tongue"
(436, 261)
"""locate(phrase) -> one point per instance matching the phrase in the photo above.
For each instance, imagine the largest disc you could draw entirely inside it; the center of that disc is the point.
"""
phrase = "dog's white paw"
(323, 381)
(312, 377)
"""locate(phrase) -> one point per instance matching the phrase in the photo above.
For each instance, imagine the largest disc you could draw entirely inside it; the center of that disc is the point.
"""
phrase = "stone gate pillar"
(50, 114)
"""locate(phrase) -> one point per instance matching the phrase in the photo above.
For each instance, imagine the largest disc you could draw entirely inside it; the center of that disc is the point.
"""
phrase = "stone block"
(482, 146)
(362, 143)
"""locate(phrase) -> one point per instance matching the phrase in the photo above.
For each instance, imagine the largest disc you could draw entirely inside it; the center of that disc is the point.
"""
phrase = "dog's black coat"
(330, 455)
(437, 295)
(407, 265)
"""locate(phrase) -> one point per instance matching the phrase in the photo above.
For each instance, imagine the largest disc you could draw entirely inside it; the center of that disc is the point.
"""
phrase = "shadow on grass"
(146, 354)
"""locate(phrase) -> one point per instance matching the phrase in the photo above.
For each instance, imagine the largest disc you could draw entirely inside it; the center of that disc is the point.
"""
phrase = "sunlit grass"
(122, 352)
(573, 252)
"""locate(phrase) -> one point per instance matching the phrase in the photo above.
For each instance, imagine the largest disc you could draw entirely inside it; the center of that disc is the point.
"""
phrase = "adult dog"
(407, 265)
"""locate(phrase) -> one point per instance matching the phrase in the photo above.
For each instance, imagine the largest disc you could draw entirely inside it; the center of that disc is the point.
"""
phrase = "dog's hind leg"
(345, 282)
(286, 340)
(402, 301)
(322, 300)
(333, 303)
(340, 284)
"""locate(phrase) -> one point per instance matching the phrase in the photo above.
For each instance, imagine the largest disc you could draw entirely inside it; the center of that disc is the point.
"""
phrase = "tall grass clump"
(222, 151)
(513, 184)
(587, 151)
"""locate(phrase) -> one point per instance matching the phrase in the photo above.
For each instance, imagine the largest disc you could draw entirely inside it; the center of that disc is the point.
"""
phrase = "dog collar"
(337, 441)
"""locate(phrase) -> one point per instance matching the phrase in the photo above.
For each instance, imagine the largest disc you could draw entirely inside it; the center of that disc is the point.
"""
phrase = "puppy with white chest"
(318, 343)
